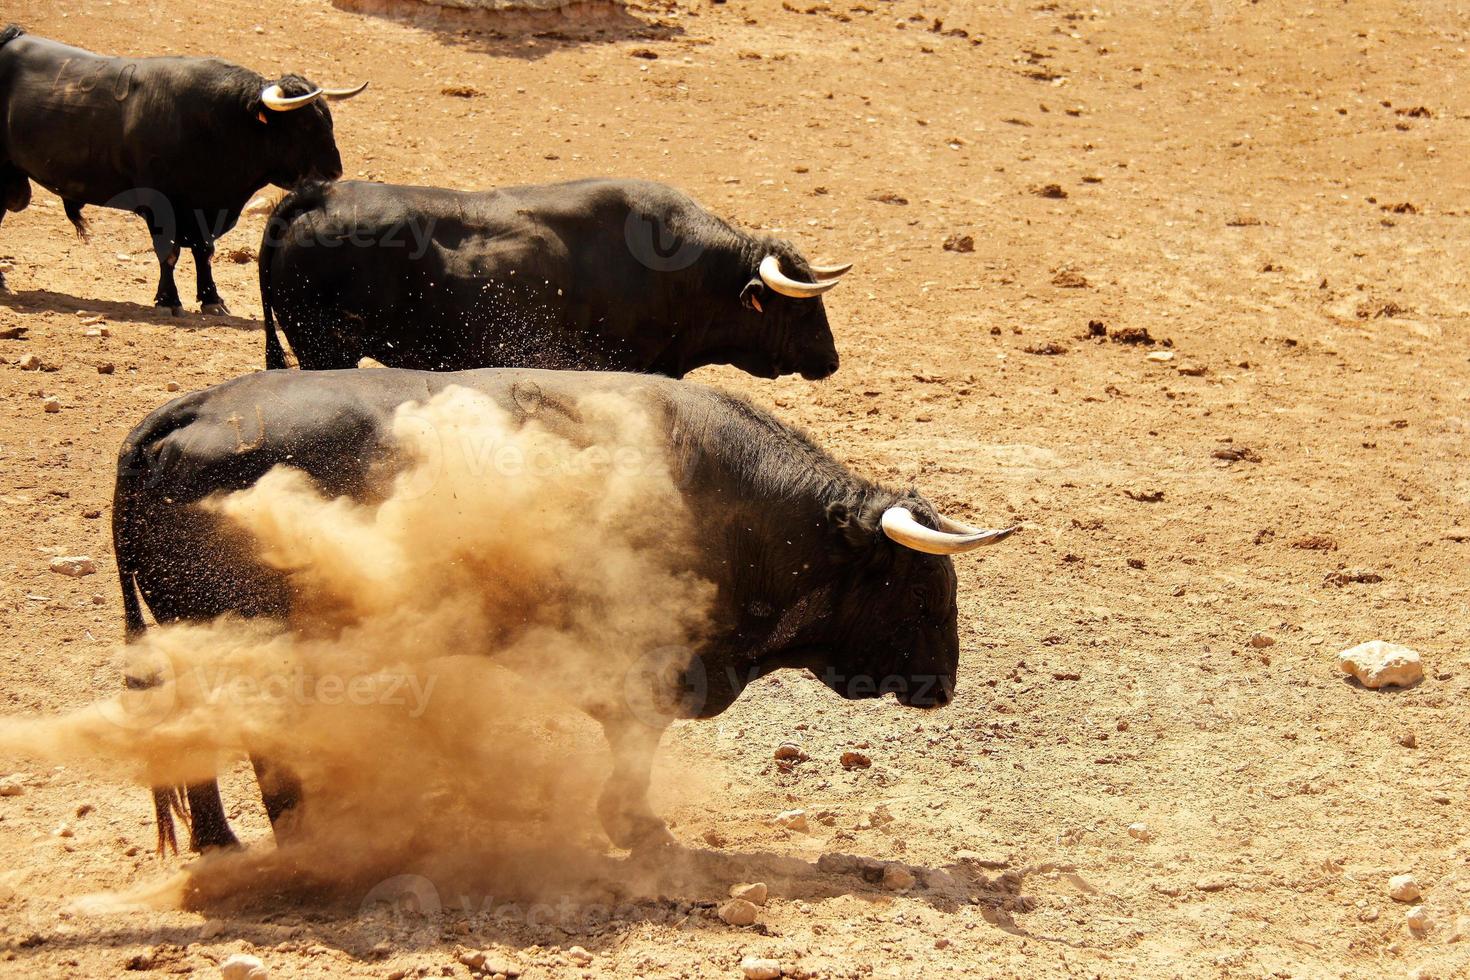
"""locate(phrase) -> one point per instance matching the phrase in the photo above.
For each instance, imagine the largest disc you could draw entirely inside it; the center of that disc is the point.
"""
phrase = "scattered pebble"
(579, 956)
(897, 878)
(63, 830)
(753, 892)
(474, 959)
(74, 566)
(792, 820)
(29, 362)
(1140, 831)
(1403, 888)
(12, 786)
(1350, 576)
(1377, 664)
(1262, 640)
(755, 968)
(790, 751)
(172, 386)
(242, 966)
(106, 367)
(959, 243)
(1417, 918)
(1408, 740)
(51, 404)
(855, 760)
(1160, 356)
(737, 912)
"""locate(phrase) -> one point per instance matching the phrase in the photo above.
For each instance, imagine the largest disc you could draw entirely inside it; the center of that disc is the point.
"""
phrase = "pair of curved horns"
(952, 538)
(276, 100)
(827, 277)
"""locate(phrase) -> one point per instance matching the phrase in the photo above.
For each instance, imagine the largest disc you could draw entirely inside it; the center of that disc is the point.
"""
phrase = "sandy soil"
(1279, 194)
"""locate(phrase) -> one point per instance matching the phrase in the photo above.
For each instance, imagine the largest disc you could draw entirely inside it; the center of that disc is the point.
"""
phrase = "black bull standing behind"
(607, 275)
(183, 142)
(814, 567)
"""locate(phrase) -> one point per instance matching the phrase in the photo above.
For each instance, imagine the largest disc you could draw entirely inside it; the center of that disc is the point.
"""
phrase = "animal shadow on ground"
(119, 310)
(609, 895)
(527, 35)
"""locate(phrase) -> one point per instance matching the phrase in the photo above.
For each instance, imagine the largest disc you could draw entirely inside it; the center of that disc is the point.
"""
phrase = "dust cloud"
(427, 688)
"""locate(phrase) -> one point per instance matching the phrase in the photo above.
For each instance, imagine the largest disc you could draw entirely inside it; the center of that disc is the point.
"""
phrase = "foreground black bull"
(815, 568)
(183, 142)
(606, 275)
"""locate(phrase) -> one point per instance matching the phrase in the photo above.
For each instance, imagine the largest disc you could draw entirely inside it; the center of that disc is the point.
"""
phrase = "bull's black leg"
(168, 293)
(280, 791)
(209, 299)
(74, 215)
(624, 809)
(207, 824)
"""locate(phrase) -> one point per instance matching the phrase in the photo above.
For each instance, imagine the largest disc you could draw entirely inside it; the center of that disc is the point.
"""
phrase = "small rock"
(1160, 356)
(75, 566)
(1369, 914)
(51, 404)
(1193, 369)
(941, 943)
(1140, 831)
(579, 956)
(754, 892)
(474, 959)
(755, 968)
(790, 751)
(855, 760)
(1069, 279)
(1350, 576)
(737, 912)
(29, 362)
(714, 838)
(897, 878)
(1408, 740)
(1417, 918)
(106, 367)
(1403, 888)
(12, 786)
(172, 386)
(63, 830)
(1377, 664)
(1262, 640)
(792, 820)
(959, 243)
(243, 967)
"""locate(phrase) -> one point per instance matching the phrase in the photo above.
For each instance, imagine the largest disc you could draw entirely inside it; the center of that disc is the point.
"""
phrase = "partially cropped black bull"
(814, 567)
(603, 275)
(183, 142)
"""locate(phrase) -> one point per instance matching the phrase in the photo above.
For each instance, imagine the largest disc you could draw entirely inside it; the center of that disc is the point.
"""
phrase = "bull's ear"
(752, 294)
(846, 521)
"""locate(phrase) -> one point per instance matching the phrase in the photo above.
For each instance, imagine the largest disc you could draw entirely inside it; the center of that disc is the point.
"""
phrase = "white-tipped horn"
(901, 526)
(342, 94)
(831, 271)
(277, 101)
(772, 276)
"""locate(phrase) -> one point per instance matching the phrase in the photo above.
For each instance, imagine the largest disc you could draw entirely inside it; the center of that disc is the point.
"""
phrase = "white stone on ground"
(737, 912)
(753, 892)
(756, 968)
(1140, 831)
(74, 565)
(242, 966)
(1378, 664)
(1403, 888)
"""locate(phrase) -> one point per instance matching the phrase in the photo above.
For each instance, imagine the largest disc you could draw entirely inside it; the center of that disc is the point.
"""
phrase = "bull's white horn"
(772, 276)
(278, 101)
(831, 271)
(340, 94)
(901, 526)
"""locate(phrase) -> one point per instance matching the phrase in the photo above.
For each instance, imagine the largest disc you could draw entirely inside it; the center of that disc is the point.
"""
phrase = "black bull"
(808, 571)
(183, 142)
(605, 275)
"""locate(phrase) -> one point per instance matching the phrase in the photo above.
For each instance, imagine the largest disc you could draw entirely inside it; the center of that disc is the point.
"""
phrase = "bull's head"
(895, 609)
(295, 114)
(793, 320)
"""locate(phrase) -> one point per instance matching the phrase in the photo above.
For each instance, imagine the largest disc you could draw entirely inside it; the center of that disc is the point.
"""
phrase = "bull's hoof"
(637, 831)
(215, 309)
(177, 309)
(210, 843)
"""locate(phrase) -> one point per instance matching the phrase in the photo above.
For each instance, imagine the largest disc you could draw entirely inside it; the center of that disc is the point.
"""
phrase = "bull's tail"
(306, 196)
(167, 800)
(9, 33)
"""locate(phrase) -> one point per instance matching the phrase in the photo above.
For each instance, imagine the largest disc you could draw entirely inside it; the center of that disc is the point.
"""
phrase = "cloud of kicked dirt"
(426, 688)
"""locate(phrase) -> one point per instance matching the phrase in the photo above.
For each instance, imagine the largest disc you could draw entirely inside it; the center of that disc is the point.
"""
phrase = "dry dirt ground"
(1275, 192)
